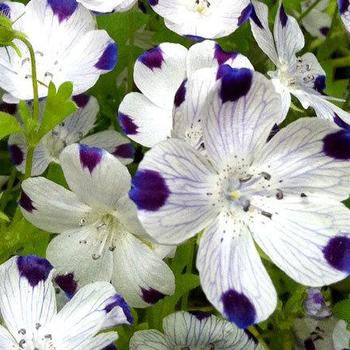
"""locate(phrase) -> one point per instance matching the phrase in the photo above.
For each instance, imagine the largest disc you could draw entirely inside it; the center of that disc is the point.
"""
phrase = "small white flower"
(100, 237)
(301, 76)
(67, 46)
(183, 330)
(344, 10)
(285, 193)
(28, 308)
(171, 76)
(74, 129)
(315, 305)
(207, 19)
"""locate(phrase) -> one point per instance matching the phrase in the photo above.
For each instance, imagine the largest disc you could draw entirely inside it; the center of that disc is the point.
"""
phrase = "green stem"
(131, 38)
(29, 161)
(10, 183)
(258, 336)
(189, 267)
(304, 14)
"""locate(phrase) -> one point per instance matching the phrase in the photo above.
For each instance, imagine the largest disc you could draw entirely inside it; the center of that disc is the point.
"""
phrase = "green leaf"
(8, 125)
(4, 217)
(341, 310)
(58, 107)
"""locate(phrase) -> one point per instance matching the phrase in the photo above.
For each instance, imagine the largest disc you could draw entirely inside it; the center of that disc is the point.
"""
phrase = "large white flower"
(286, 194)
(301, 76)
(74, 129)
(207, 19)
(344, 10)
(100, 236)
(28, 308)
(67, 48)
(169, 75)
(183, 330)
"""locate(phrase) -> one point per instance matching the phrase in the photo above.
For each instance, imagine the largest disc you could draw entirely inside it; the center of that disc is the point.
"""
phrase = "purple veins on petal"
(90, 157)
(63, 9)
(67, 283)
(337, 145)
(108, 59)
(81, 100)
(149, 190)
(34, 269)
(26, 203)
(127, 124)
(151, 296)
(5, 10)
(223, 56)
(180, 94)
(118, 300)
(152, 58)
(126, 151)
(238, 308)
(283, 16)
(17, 156)
(245, 14)
(337, 253)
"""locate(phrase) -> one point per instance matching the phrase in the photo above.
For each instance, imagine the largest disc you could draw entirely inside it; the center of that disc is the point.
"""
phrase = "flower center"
(201, 6)
(35, 341)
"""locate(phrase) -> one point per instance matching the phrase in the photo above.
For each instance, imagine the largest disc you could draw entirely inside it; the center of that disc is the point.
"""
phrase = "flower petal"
(344, 10)
(149, 339)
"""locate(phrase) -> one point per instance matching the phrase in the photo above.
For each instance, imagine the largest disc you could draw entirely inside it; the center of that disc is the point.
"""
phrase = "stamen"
(235, 195)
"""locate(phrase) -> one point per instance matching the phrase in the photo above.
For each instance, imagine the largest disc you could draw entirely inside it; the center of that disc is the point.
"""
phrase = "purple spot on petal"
(67, 283)
(152, 58)
(108, 59)
(340, 122)
(63, 9)
(200, 315)
(5, 10)
(320, 83)
(34, 269)
(196, 38)
(127, 124)
(26, 203)
(151, 296)
(235, 83)
(149, 190)
(324, 31)
(337, 253)
(90, 157)
(256, 19)
(238, 308)
(126, 151)
(223, 56)
(343, 6)
(273, 132)
(153, 2)
(81, 100)
(8, 108)
(283, 16)
(180, 94)
(309, 344)
(17, 156)
(337, 145)
(245, 14)
(110, 347)
(118, 301)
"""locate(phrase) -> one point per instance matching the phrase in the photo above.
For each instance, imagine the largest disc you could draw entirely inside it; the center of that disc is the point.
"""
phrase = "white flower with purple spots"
(344, 10)
(100, 237)
(206, 19)
(301, 76)
(74, 129)
(67, 46)
(31, 321)
(191, 331)
(174, 82)
(285, 194)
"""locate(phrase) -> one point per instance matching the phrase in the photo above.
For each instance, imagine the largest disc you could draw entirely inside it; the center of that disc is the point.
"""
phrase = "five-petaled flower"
(285, 193)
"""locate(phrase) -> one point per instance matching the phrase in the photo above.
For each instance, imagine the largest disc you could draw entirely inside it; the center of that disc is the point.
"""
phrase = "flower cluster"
(214, 160)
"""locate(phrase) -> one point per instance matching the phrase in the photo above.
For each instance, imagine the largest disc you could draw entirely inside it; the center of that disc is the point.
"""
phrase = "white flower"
(105, 6)
(28, 308)
(315, 305)
(285, 193)
(67, 46)
(301, 76)
(74, 129)
(100, 236)
(344, 10)
(207, 19)
(170, 74)
(317, 22)
(183, 330)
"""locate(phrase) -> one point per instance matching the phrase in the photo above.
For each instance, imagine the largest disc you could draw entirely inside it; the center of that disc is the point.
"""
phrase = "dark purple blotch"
(90, 157)
(63, 9)
(320, 83)
(196, 38)
(81, 100)
(340, 122)
(118, 301)
(337, 253)
(110, 347)
(8, 108)
(256, 19)
(127, 124)
(283, 16)
(245, 14)
(16, 154)
(343, 6)
(309, 344)
(238, 308)
(26, 203)
(153, 2)
(108, 59)
(126, 151)
(200, 315)
(67, 283)
(235, 83)
(151, 296)
(223, 56)
(5, 10)
(152, 58)
(324, 31)
(180, 94)
(34, 269)
(337, 145)
(149, 190)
